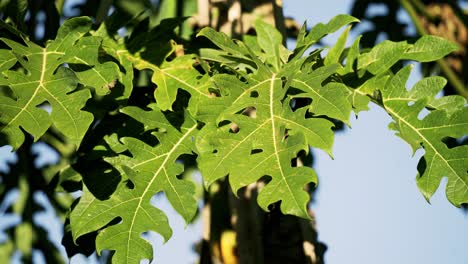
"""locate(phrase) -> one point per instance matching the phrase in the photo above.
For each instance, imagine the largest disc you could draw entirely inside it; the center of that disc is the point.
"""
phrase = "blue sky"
(368, 207)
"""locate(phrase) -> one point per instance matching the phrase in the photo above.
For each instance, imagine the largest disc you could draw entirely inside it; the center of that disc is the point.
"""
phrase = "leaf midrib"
(250, 89)
(41, 80)
(275, 142)
(320, 96)
(41, 85)
(149, 185)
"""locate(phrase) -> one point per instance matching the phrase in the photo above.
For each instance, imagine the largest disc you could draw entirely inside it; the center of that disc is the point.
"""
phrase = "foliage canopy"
(246, 109)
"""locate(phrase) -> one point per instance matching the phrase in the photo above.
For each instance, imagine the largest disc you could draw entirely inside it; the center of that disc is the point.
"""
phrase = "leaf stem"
(451, 76)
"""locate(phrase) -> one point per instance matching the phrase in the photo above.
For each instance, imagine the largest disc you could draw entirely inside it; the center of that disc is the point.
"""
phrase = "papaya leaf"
(385, 54)
(429, 48)
(224, 42)
(149, 171)
(335, 52)
(170, 76)
(259, 121)
(125, 238)
(447, 116)
(44, 78)
(235, 51)
(306, 40)
(330, 100)
(270, 138)
(101, 75)
(271, 42)
(359, 97)
(8, 60)
(353, 53)
(118, 51)
(429, 132)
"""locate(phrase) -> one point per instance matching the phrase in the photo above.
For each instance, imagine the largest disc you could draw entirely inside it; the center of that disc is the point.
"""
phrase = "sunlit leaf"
(149, 170)
(43, 78)
(429, 132)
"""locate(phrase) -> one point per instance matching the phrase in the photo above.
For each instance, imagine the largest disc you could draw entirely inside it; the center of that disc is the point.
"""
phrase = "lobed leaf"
(271, 43)
(149, 170)
(334, 54)
(256, 121)
(223, 41)
(44, 78)
(170, 76)
(330, 100)
(306, 40)
(430, 132)
(259, 105)
(430, 48)
(385, 54)
(264, 145)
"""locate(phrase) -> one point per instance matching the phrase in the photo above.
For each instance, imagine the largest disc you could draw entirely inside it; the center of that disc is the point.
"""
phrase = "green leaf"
(234, 51)
(270, 41)
(120, 53)
(43, 78)
(170, 76)
(210, 108)
(7, 249)
(330, 100)
(102, 76)
(361, 96)
(450, 103)
(225, 59)
(125, 238)
(333, 55)
(430, 48)
(353, 53)
(149, 171)
(24, 237)
(270, 138)
(337, 22)
(8, 60)
(320, 30)
(438, 160)
(383, 56)
(223, 41)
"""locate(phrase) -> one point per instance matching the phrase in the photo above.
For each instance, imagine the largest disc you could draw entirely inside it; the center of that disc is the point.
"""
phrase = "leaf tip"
(202, 32)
